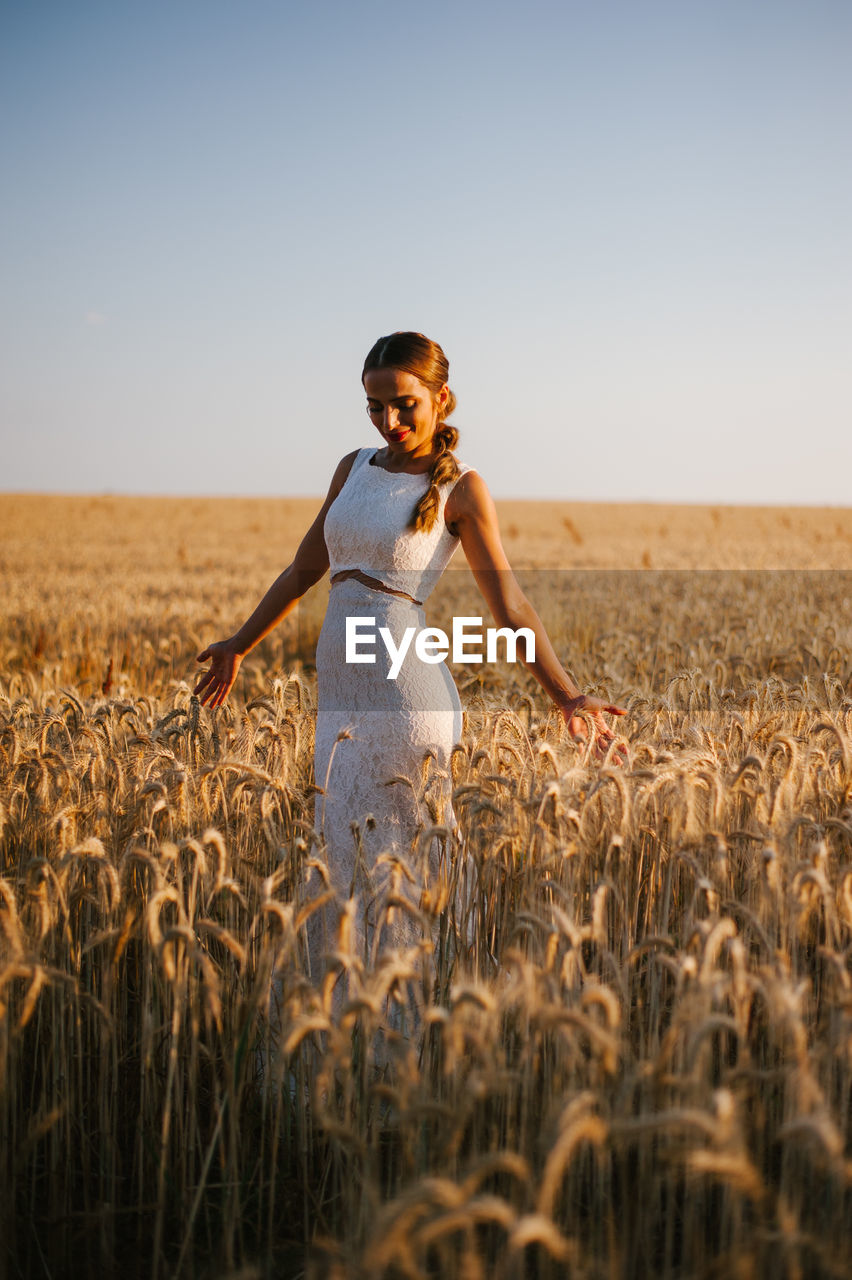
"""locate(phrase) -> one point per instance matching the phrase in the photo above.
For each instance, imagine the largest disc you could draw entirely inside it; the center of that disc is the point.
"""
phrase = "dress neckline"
(377, 466)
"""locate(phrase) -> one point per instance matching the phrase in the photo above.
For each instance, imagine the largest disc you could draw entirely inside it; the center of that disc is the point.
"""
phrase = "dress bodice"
(366, 528)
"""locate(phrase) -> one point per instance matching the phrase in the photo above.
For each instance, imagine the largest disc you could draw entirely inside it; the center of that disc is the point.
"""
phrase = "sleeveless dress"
(383, 745)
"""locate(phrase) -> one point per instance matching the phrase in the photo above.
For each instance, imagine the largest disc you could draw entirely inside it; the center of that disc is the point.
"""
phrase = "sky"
(628, 223)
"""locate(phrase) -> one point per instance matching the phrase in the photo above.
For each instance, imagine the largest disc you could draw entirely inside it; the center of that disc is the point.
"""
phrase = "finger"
(203, 656)
(597, 707)
(617, 750)
(210, 688)
(221, 693)
(208, 699)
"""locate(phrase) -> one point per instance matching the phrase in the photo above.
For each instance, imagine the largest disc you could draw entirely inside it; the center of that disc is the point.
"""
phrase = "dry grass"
(636, 1055)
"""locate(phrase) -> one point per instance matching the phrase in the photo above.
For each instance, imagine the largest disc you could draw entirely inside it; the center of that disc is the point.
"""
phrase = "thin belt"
(374, 583)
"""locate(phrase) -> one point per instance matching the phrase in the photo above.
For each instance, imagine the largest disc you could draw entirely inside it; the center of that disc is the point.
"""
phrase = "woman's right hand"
(216, 683)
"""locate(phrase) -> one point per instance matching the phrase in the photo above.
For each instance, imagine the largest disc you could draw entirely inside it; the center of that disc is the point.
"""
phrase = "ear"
(443, 396)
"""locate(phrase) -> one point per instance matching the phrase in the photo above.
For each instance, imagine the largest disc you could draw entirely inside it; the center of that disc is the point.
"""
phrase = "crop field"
(623, 1044)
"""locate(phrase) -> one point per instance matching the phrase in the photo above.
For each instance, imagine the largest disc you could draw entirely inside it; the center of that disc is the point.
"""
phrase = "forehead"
(392, 384)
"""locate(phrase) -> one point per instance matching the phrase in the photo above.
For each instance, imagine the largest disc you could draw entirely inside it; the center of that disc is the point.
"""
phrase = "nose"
(390, 419)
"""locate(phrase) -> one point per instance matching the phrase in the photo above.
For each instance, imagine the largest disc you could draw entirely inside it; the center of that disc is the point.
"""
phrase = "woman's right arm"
(309, 564)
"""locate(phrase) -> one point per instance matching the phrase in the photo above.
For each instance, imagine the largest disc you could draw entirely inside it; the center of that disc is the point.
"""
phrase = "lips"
(396, 436)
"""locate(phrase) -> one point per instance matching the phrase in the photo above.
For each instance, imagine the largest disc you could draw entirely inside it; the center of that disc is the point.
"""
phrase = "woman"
(391, 520)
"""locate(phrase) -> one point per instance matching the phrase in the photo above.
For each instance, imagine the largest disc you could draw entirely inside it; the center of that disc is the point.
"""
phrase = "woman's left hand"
(584, 711)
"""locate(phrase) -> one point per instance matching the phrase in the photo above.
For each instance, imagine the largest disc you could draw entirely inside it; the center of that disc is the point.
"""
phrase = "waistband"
(373, 583)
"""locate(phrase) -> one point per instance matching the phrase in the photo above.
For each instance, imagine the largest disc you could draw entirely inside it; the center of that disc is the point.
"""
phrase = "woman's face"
(403, 410)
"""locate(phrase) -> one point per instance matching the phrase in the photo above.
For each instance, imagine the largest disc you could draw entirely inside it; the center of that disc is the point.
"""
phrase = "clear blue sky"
(629, 224)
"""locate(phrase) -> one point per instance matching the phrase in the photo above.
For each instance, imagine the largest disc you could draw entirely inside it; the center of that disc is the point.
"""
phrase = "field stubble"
(634, 989)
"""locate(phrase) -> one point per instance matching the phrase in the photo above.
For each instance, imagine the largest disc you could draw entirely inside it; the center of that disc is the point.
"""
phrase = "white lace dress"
(374, 735)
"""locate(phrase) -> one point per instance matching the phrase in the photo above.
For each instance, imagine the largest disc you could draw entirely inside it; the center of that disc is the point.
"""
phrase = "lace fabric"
(366, 528)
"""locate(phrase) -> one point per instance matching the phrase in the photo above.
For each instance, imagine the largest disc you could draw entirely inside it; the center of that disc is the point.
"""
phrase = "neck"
(414, 464)
(416, 461)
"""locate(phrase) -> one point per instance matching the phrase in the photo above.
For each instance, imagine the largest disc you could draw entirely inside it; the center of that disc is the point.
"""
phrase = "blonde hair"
(416, 354)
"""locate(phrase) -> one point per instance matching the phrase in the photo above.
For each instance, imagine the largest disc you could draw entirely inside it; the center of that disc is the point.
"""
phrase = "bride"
(391, 521)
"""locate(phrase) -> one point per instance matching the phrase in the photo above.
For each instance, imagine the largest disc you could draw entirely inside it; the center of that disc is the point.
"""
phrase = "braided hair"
(416, 354)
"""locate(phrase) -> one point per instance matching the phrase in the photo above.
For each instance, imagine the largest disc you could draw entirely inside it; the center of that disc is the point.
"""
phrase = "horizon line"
(147, 496)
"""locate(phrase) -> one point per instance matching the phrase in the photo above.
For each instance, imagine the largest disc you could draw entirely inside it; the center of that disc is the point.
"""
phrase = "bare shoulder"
(470, 499)
(312, 553)
(341, 473)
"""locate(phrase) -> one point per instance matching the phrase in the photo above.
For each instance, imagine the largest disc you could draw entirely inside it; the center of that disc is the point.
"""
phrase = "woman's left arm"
(470, 513)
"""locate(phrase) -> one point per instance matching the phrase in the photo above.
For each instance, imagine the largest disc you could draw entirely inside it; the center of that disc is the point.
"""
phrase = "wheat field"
(622, 1047)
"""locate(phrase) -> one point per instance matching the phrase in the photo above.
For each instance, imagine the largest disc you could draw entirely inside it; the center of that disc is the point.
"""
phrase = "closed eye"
(374, 407)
